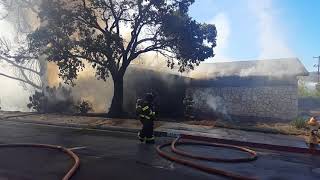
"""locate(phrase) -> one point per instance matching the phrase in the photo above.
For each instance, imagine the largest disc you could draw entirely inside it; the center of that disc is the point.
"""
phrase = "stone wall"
(276, 102)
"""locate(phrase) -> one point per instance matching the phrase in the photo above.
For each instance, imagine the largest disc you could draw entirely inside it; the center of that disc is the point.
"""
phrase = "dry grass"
(117, 122)
(209, 123)
(276, 128)
(156, 124)
(283, 128)
(289, 128)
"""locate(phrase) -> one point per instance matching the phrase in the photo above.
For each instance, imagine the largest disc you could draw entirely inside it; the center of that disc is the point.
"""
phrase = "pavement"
(103, 155)
(161, 128)
(118, 155)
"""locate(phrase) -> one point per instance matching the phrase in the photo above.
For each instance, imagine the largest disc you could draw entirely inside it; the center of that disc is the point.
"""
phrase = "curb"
(283, 148)
(109, 128)
(80, 126)
(174, 134)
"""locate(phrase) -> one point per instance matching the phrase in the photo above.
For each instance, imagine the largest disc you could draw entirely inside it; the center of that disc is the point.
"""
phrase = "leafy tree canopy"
(77, 31)
(92, 30)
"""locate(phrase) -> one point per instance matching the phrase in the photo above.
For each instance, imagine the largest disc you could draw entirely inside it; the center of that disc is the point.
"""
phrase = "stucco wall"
(276, 102)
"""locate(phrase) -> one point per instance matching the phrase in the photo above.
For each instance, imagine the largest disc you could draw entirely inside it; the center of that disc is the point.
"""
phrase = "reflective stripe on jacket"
(147, 113)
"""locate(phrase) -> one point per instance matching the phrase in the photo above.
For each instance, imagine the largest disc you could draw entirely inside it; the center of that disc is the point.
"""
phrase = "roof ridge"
(256, 60)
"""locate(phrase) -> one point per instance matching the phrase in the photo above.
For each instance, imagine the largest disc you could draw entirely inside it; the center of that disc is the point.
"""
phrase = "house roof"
(267, 68)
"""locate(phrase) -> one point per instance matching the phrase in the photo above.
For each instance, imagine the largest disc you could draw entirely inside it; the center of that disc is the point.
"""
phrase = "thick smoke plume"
(100, 93)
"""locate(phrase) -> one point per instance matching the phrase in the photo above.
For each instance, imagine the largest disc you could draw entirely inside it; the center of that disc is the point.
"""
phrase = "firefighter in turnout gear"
(146, 114)
(314, 126)
(188, 107)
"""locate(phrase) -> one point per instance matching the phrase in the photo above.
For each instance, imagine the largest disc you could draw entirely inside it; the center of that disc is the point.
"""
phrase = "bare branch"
(18, 66)
(21, 80)
(148, 49)
(137, 29)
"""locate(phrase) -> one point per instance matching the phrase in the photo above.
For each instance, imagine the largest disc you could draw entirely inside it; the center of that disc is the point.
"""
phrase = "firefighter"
(314, 128)
(188, 107)
(146, 114)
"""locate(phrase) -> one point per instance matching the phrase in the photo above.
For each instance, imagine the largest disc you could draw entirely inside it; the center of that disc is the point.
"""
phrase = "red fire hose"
(252, 157)
(76, 159)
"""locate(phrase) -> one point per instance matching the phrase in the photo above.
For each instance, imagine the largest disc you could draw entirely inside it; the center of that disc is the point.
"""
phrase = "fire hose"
(75, 158)
(210, 170)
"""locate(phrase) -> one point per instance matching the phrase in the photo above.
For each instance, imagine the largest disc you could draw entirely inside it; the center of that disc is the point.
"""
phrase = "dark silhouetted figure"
(146, 113)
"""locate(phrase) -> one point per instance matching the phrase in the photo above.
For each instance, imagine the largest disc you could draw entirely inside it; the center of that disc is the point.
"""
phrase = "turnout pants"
(146, 133)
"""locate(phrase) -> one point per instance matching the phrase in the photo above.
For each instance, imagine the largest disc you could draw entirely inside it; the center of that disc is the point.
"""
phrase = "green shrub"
(299, 123)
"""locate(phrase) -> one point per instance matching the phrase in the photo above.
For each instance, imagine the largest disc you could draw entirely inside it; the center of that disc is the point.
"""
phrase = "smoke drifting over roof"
(100, 92)
(274, 68)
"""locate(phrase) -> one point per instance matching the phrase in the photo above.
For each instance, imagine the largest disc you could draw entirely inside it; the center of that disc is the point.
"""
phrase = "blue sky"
(263, 29)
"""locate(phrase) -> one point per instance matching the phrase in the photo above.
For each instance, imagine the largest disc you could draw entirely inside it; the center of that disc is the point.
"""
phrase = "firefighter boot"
(150, 140)
(141, 138)
(312, 139)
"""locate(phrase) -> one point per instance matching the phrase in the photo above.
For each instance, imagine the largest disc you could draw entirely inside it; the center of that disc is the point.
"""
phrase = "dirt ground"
(272, 127)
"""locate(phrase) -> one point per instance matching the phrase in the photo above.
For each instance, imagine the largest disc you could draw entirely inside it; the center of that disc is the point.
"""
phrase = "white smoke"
(311, 86)
(222, 23)
(273, 68)
(216, 103)
(271, 41)
(271, 38)
(12, 95)
(206, 102)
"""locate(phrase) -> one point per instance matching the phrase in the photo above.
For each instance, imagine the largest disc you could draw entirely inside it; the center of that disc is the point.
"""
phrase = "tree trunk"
(43, 66)
(115, 109)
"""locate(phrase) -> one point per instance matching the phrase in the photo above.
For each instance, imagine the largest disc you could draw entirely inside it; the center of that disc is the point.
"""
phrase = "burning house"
(264, 89)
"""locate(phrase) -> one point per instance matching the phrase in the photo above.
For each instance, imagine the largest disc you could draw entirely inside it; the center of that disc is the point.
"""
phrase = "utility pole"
(318, 66)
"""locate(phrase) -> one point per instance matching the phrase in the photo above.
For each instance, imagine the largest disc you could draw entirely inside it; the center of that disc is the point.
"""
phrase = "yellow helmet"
(313, 122)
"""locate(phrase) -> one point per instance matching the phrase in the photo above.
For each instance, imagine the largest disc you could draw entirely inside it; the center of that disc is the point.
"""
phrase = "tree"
(29, 70)
(20, 13)
(79, 31)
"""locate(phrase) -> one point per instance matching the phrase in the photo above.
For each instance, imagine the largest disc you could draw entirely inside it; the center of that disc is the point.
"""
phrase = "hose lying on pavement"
(252, 157)
(76, 159)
